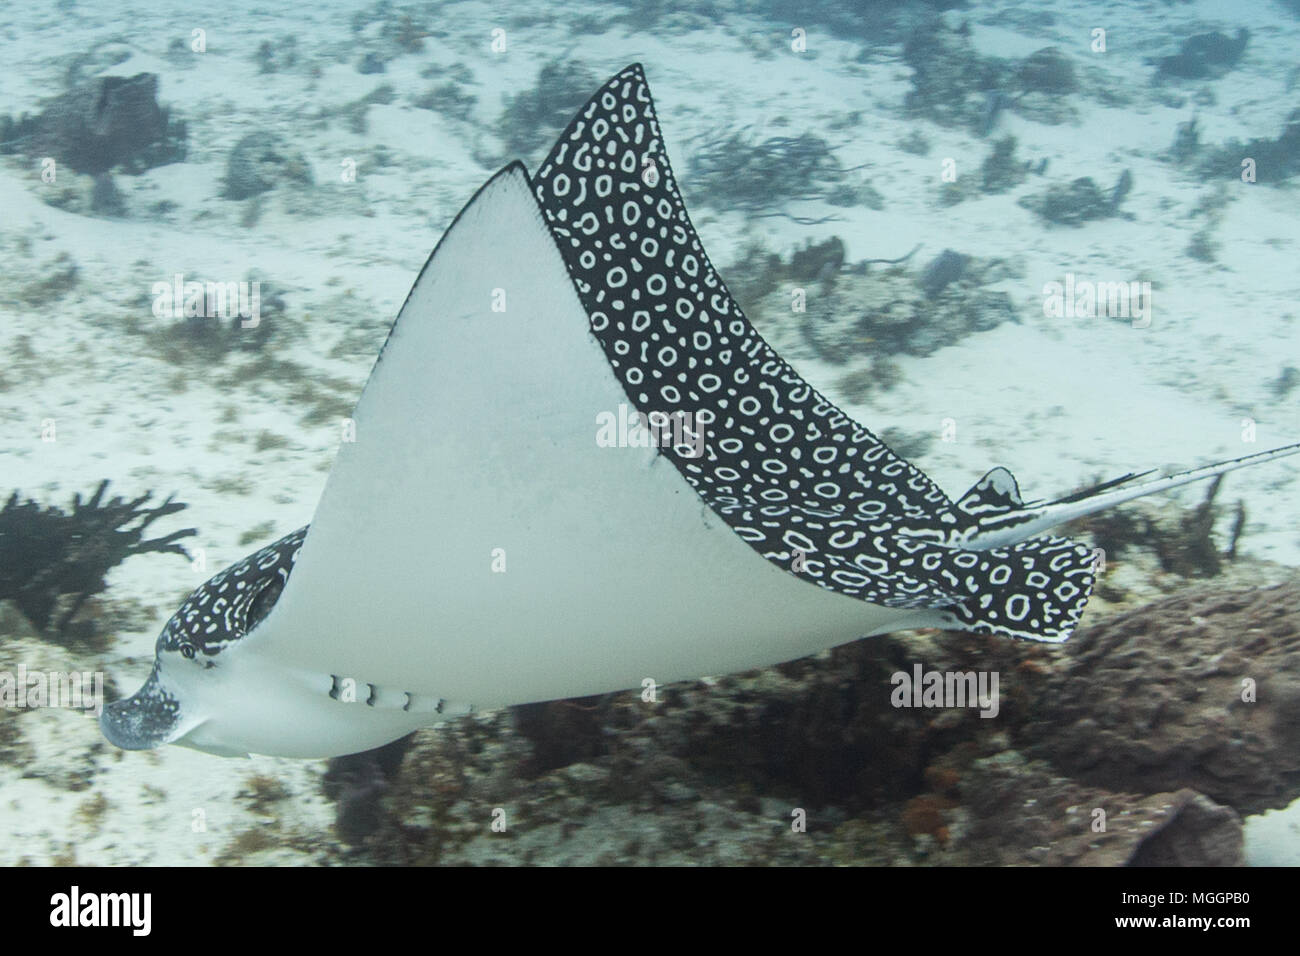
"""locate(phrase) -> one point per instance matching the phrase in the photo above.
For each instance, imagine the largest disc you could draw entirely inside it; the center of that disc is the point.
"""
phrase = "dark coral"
(107, 122)
(52, 560)
(260, 162)
(358, 783)
(944, 269)
(1047, 70)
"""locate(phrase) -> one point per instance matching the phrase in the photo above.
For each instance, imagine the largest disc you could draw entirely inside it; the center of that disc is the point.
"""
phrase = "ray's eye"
(187, 651)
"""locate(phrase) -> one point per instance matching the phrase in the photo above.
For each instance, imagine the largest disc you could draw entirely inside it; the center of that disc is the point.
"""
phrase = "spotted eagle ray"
(477, 547)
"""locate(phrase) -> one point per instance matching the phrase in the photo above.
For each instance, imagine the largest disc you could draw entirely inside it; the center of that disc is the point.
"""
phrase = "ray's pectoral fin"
(1030, 590)
(777, 461)
(1033, 590)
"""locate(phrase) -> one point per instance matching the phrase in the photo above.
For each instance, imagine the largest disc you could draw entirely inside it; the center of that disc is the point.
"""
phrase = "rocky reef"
(1199, 690)
(1131, 744)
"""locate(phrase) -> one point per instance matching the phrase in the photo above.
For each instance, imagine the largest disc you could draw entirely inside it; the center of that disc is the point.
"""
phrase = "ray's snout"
(148, 718)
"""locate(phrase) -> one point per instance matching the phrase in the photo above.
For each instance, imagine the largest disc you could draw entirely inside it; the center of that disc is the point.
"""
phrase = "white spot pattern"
(785, 468)
(233, 601)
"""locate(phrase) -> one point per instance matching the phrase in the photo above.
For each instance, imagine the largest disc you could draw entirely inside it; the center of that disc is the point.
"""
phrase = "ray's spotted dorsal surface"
(476, 546)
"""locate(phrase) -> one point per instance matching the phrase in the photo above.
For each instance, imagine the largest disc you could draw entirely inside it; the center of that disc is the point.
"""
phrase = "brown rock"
(1152, 700)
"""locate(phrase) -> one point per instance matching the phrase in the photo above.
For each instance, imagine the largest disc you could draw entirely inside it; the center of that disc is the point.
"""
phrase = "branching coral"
(47, 554)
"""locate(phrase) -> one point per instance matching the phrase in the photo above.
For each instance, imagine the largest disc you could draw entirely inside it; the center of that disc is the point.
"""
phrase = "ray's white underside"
(477, 432)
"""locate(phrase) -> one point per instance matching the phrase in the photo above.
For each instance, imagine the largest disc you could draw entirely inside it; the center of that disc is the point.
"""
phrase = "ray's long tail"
(1007, 577)
(1001, 519)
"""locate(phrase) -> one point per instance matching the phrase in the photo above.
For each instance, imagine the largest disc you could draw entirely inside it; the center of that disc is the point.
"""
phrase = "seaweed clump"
(449, 98)
(277, 57)
(356, 113)
(860, 317)
(371, 63)
(1187, 142)
(1275, 160)
(1079, 201)
(1285, 382)
(760, 272)
(951, 82)
(1001, 171)
(398, 27)
(105, 198)
(736, 171)
(215, 332)
(60, 276)
(955, 86)
(406, 33)
(900, 313)
(52, 561)
(1210, 209)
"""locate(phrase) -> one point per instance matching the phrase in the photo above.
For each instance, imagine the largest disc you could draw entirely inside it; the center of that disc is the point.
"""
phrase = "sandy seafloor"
(1059, 401)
